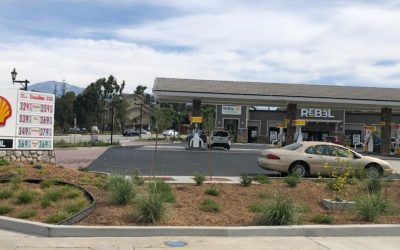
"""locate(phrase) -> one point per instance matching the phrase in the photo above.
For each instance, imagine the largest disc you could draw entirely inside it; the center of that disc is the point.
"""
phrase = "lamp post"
(112, 116)
(141, 114)
(24, 84)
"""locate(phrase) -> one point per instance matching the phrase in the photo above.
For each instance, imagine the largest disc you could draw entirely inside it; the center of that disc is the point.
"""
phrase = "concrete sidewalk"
(78, 157)
(11, 240)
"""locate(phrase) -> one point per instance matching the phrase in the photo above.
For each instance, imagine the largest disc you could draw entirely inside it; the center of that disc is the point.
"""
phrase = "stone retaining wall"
(28, 155)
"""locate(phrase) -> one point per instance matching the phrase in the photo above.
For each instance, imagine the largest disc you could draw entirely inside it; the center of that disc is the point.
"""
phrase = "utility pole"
(141, 114)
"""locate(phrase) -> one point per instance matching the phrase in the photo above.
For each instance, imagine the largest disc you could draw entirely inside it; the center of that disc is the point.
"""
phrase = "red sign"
(5, 110)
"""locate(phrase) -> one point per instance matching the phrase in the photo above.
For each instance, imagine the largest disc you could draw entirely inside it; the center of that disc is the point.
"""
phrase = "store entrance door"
(253, 134)
(231, 125)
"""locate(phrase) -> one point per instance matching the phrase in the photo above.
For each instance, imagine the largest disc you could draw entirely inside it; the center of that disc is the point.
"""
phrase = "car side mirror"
(356, 156)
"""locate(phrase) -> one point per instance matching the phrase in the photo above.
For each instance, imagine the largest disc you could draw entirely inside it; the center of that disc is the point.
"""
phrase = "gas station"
(280, 113)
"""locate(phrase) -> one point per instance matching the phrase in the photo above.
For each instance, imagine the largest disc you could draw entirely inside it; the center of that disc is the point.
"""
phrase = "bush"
(46, 183)
(370, 206)
(52, 195)
(4, 209)
(75, 206)
(322, 219)
(372, 186)
(16, 181)
(56, 217)
(45, 202)
(208, 205)
(70, 192)
(5, 193)
(26, 196)
(245, 180)
(26, 214)
(162, 188)
(150, 208)
(3, 162)
(199, 178)
(264, 195)
(280, 211)
(137, 179)
(263, 179)
(121, 190)
(292, 180)
(256, 207)
(213, 191)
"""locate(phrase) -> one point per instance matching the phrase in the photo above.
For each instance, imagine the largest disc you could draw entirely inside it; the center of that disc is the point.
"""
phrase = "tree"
(140, 90)
(64, 111)
(209, 126)
(161, 120)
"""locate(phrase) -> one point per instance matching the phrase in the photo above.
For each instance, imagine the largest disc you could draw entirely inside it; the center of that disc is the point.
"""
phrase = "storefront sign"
(314, 113)
(26, 120)
(196, 119)
(299, 122)
(231, 110)
(356, 138)
(273, 135)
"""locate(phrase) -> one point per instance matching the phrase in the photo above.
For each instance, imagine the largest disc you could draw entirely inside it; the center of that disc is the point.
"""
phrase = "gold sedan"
(320, 158)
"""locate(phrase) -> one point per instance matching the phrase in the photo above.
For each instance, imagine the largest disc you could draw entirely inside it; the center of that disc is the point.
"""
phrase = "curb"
(47, 230)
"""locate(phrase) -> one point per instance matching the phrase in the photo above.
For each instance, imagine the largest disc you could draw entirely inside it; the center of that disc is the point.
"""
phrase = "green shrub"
(292, 180)
(162, 188)
(199, 178)
(70, 192)
(56, 217)
(263, 179)
(16, 181)
(6, 193)
(26, 196)
(209, 205)
(46, 183)
(245, 180)
(322, 219)
(372, 186)
(137, 178)
(4, 209)
(213, 191)
(359, 174)
(256, 207)
(370, 206)
(121, 190)
(280, 211)
(264, 195)
(3, 162)
(150, 208)
(45, 202)
(53, 195)
(26, 214)
(304, 208)
(75, 206)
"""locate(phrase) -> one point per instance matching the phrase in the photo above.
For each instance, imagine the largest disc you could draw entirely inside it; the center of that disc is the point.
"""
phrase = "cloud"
(338, 42)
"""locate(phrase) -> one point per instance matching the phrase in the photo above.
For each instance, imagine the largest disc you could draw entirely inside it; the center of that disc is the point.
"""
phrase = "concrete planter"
(338, 204)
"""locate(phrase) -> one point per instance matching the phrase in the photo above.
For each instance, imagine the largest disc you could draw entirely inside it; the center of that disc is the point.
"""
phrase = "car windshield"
(221, 133)
(293, 146)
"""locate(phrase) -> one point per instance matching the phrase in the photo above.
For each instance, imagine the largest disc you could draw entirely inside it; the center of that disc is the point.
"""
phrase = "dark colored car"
(130, 132)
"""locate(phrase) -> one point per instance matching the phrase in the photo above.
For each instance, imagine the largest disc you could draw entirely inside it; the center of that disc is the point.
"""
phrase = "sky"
(340, 42)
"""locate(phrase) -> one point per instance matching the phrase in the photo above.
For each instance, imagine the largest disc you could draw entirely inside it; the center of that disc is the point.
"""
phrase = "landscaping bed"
(198, 205)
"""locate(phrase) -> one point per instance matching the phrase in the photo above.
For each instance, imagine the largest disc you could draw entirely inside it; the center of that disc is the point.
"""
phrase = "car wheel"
(373, 171)
(299, 168)
(228, 147)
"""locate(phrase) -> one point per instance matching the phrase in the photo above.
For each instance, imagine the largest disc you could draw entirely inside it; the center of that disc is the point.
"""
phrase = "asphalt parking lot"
(175, 160)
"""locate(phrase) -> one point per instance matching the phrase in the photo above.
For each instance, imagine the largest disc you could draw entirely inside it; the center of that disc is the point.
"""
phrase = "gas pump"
(299, 134)
(369, 139)
(196, 142)
(281, 135)
(397, 139)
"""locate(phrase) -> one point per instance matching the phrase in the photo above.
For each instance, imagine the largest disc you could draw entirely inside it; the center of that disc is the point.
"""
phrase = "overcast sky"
(303, 41)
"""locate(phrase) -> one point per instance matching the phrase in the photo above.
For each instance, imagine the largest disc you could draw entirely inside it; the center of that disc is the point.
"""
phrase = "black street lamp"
(141, 114)
(24, 84)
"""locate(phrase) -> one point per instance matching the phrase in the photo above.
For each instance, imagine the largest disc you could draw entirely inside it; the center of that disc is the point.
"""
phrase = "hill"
(48, 87)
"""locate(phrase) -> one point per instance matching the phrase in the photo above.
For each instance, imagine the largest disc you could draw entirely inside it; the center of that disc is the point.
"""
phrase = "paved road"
(175, 160)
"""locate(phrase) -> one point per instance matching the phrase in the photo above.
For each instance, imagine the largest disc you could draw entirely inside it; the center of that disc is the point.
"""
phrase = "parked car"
(313, 158)
(95, 129)
(170, 132)
(130, 132)
(219, 138)
(144, 131)
(332, 139)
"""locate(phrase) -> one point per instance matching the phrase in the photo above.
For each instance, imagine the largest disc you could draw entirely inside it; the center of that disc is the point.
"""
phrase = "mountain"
(48, 87)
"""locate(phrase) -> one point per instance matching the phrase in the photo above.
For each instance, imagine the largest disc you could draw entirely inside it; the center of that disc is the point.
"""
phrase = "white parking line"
(151, 147)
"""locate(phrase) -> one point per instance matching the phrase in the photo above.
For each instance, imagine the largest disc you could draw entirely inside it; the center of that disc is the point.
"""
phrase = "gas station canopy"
(276, 94)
